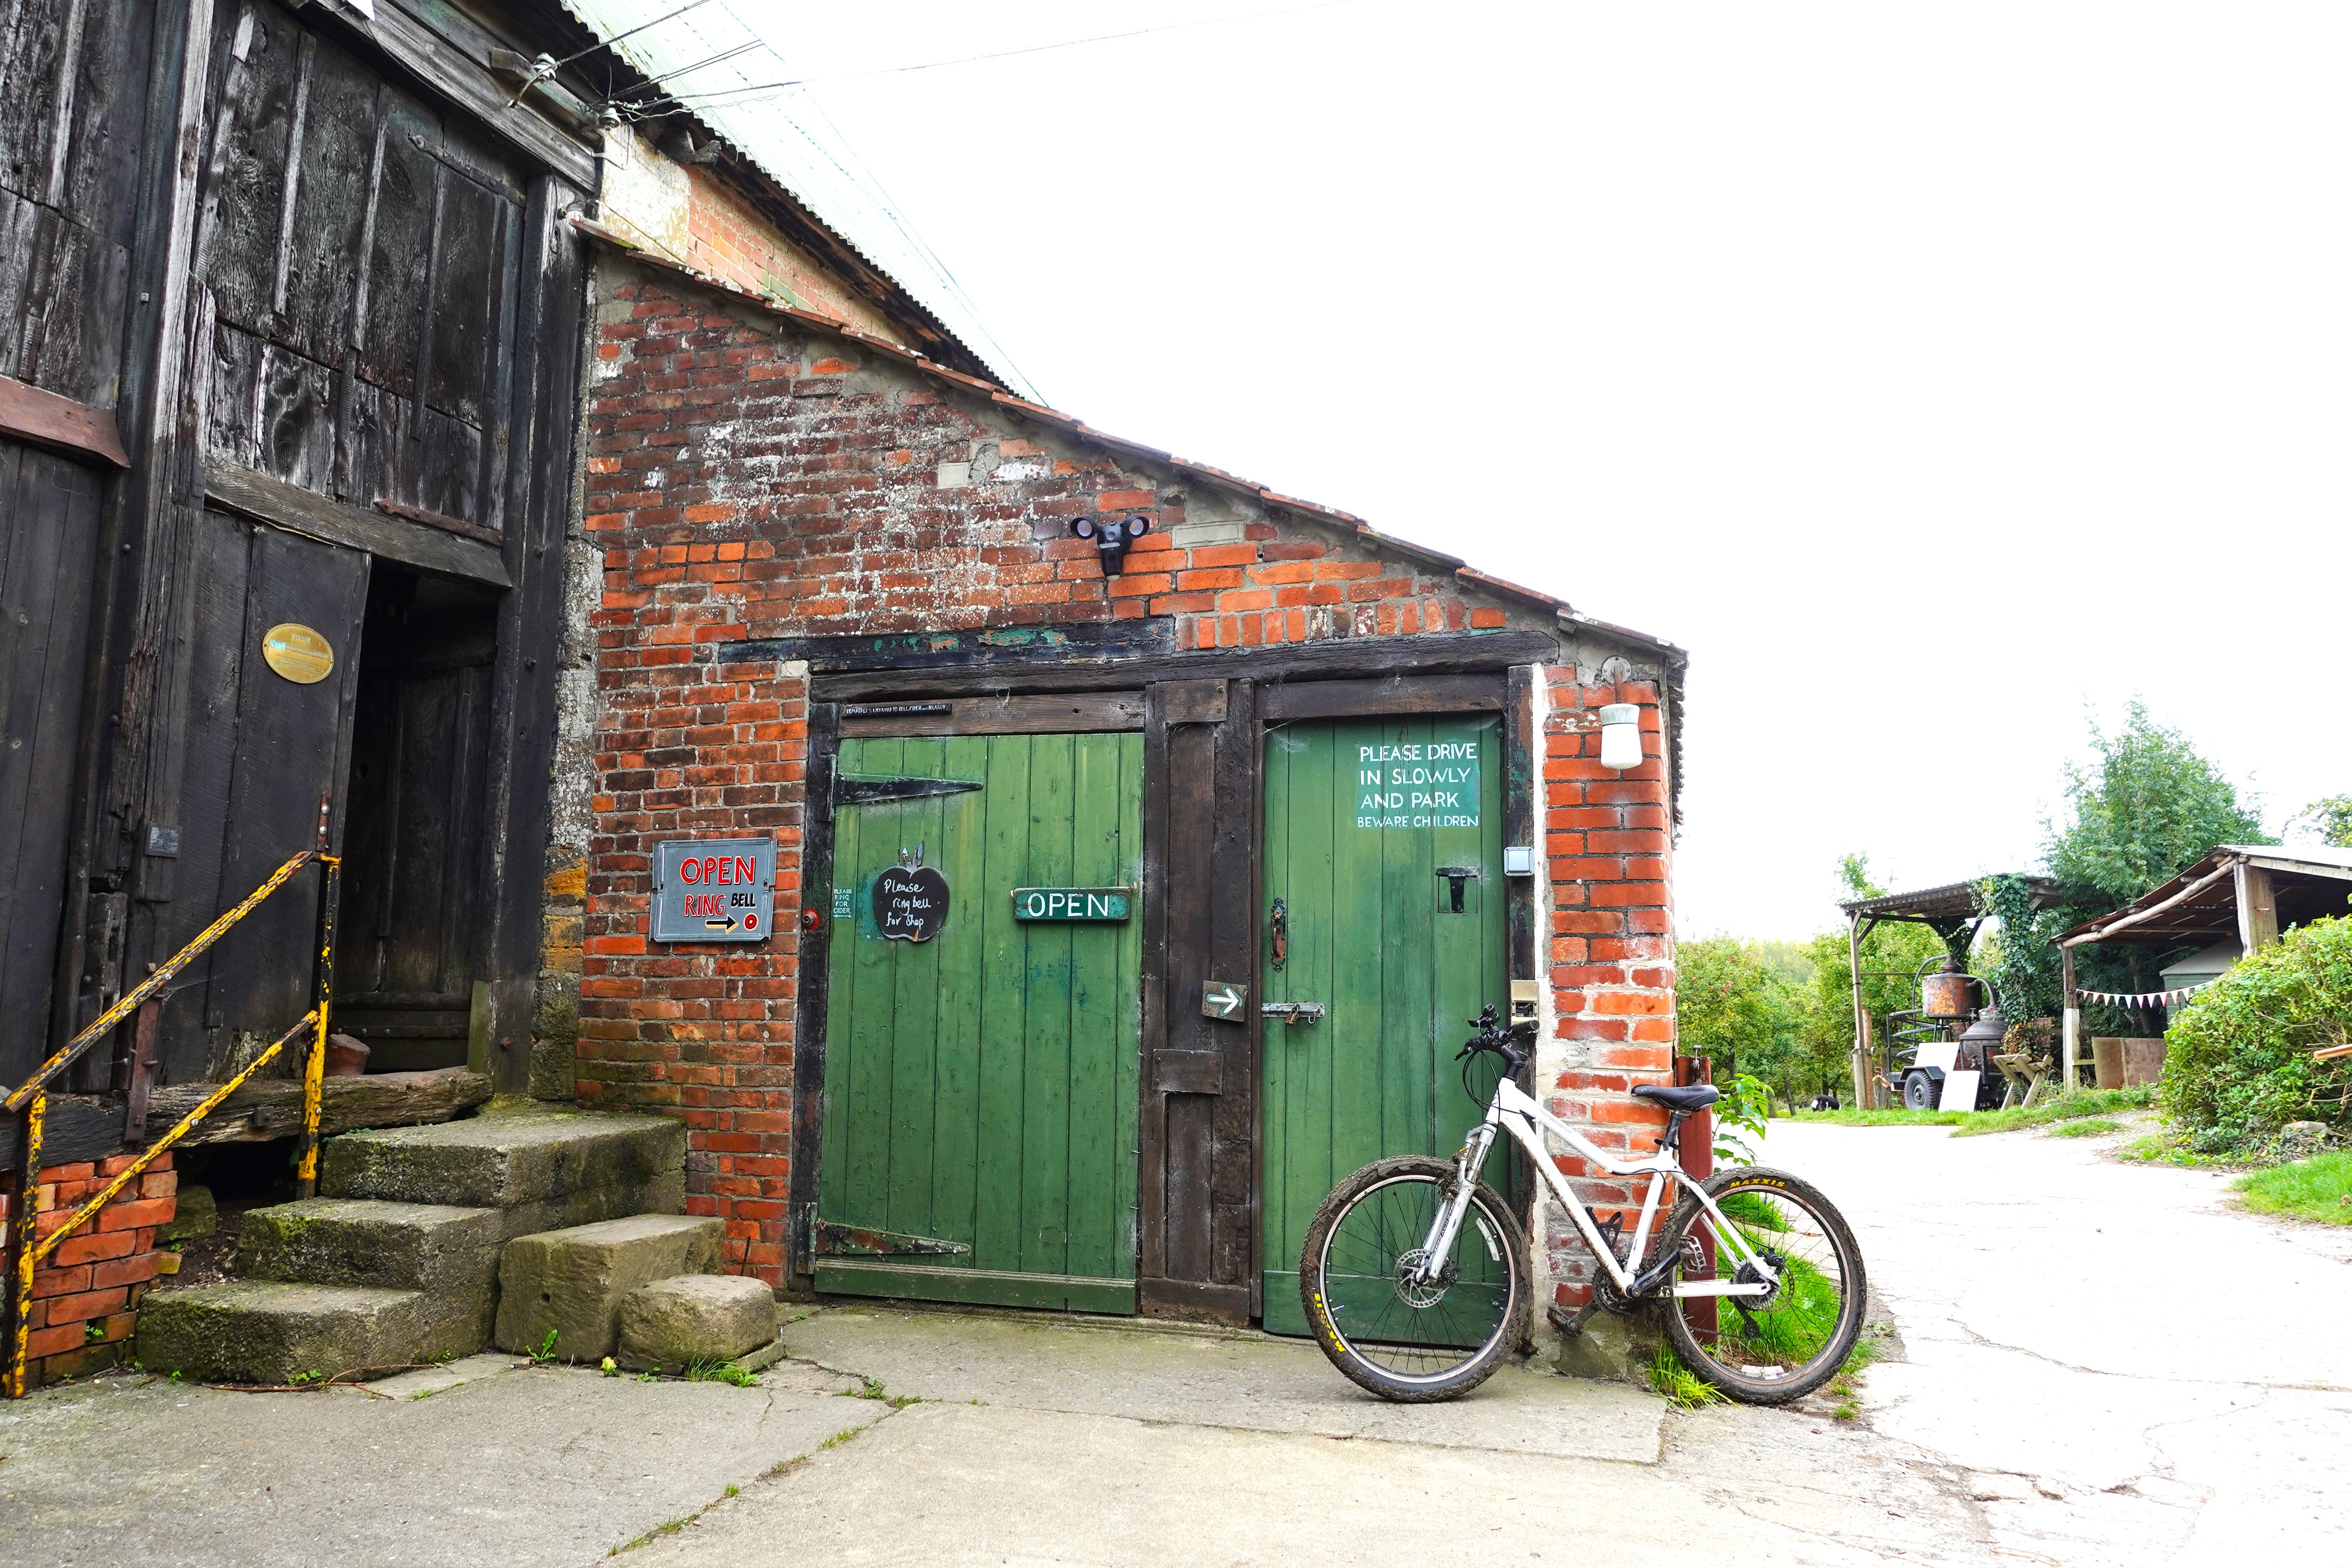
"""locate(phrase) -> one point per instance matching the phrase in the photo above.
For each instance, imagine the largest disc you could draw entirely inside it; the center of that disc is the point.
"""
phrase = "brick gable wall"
(750, 474)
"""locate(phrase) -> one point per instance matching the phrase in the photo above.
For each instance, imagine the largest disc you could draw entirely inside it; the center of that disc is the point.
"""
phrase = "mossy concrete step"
(272, 1332)
(546, 1169)
(569, 1282)
(371, 1241)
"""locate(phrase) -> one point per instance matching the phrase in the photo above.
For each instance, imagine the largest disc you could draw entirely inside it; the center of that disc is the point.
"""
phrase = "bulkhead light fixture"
(1620, 736)
(1111, 537)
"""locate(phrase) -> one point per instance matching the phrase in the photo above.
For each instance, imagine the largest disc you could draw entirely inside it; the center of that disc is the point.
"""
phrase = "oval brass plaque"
(298, 653)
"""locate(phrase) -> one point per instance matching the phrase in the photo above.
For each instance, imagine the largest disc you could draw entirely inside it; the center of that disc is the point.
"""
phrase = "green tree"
(2144, 809)
(1746, 1005)
(2330, 819)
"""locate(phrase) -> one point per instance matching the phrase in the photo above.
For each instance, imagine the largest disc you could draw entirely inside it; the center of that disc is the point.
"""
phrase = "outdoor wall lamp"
(1620, 736)
(1112, 538)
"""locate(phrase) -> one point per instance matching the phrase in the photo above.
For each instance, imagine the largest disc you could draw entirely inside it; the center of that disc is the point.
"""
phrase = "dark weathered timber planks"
(1233, 1187)
(1010, 648)
(59, 424)
(1398, 693)
(1069, 668)
(313, 516)
(466, 80)
(49, 518)
(1086, 712)
(77, 1128)
(266, 1108)
(810, 1036)
(542, 397)
(292, 751)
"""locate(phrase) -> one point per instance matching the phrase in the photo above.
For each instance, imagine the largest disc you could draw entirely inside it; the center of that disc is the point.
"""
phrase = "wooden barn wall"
(301, 255)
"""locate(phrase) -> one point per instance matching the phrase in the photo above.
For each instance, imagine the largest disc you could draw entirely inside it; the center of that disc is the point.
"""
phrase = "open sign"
(714, 890)
(1073, 903)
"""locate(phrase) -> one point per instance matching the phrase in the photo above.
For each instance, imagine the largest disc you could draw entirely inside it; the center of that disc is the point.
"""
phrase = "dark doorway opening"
(415, 887)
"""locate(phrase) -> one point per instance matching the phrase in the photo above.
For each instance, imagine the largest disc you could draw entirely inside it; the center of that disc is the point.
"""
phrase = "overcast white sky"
(1939, 377)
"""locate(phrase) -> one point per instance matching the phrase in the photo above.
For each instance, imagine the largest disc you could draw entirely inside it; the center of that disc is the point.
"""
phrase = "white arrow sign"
(1222, 999)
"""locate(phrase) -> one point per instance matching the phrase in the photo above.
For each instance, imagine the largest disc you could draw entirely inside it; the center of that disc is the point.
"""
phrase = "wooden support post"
(1862, 1073)
(2257, 908)
(2072, 1006)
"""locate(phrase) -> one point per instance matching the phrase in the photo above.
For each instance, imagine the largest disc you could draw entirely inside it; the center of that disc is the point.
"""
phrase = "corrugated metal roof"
(1953, 900)
(790, 141)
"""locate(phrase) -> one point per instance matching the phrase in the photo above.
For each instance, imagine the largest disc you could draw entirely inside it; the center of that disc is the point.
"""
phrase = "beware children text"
(1416, 785)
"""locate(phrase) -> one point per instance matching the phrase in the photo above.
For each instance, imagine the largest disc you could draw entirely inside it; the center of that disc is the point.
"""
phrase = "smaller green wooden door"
(981, 1086)
(1362, 816)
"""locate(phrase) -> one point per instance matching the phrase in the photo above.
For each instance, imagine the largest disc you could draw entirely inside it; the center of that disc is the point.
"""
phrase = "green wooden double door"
(982, 1084)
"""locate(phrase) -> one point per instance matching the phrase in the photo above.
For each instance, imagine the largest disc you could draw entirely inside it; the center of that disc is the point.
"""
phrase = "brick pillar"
(1608, 835)
(86, 1297)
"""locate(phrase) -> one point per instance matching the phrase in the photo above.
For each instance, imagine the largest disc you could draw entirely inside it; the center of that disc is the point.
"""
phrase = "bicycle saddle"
(1697, 1097)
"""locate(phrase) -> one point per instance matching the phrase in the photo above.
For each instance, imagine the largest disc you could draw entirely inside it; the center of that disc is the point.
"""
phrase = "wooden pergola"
(2251, 891)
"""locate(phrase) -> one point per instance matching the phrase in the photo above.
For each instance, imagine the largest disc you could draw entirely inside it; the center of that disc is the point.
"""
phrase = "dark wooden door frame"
(1232, 702)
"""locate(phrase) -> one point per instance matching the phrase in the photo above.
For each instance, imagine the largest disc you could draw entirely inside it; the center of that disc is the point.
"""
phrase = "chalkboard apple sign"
(910, 905)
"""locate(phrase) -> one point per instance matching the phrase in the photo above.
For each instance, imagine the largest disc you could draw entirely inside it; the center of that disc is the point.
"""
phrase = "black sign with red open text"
(714, 890)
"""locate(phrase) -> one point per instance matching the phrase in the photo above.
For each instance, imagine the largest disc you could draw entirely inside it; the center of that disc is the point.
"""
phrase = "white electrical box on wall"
(1519, 860)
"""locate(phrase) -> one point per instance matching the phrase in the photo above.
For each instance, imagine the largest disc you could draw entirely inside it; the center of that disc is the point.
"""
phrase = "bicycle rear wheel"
(1771, 1349)
(1406, 1342)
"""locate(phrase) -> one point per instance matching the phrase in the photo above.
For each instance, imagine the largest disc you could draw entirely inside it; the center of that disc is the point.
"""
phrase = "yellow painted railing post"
(31, 1247)
(27, 1227)
(314, 1071)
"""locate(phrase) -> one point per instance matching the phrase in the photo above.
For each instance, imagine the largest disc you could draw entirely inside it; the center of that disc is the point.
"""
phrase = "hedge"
(2239, 1064)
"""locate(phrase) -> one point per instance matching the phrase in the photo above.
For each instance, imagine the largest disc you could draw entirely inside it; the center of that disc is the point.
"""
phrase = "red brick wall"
(86, 1297)
(752, 477)
(1609, 839)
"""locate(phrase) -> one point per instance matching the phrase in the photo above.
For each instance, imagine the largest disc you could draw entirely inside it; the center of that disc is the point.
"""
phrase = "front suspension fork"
(1439, 1246)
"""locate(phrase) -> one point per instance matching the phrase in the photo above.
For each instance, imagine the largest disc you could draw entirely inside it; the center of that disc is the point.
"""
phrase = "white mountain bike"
(1755, 1274)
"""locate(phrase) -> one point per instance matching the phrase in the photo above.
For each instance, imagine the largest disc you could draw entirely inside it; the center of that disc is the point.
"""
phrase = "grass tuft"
(725, 1372)
(2319, 1188)
(2088, 1127)
(1683, 1388)
(2075, 1107)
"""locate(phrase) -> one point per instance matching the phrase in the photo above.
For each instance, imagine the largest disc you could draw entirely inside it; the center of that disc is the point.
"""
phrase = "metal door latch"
(1292, 1012)
(1456, 876)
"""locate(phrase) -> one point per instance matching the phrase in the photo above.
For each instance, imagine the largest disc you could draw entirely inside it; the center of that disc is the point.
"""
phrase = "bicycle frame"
(1513, 1110)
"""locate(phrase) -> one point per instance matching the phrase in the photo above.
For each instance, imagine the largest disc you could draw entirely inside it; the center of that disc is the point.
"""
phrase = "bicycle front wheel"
(1387, 1331)
(1771, 1348)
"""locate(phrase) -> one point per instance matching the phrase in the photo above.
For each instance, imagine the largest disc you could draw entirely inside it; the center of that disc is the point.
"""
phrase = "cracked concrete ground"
(2131, 1368)
(2077, 1386)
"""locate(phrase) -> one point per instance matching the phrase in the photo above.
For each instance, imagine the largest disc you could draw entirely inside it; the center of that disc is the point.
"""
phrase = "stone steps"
(542, 1169)
(397, 1263)
(278, 1332)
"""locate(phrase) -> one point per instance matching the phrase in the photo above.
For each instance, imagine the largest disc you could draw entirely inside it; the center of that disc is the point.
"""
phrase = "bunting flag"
(2144, 1000)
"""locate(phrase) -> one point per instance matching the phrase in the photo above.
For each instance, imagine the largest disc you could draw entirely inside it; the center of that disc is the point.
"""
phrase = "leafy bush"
(2239, 1065)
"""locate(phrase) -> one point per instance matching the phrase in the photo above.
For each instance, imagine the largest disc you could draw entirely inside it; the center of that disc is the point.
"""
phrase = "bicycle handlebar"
(1515, 1043)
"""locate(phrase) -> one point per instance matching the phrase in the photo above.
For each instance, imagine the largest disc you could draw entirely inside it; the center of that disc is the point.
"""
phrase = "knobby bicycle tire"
(1356, 1364)
(1824, 1363)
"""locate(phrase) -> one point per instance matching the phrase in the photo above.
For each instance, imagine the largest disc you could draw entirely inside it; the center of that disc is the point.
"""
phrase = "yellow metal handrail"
(31, 1097)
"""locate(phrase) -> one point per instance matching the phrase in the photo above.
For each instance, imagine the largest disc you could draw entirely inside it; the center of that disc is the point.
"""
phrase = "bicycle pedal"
(1571, 1323)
